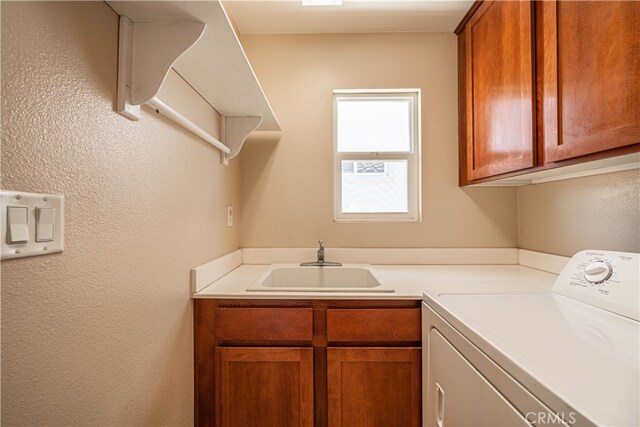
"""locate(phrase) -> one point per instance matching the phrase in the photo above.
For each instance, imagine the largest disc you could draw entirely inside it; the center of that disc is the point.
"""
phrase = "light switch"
(45, 220)
(31, 224)
(17, 226)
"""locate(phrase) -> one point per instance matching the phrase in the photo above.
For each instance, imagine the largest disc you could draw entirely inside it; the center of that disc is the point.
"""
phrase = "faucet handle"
(321, 243)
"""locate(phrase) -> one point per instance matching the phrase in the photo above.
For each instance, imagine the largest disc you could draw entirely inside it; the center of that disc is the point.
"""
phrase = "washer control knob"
(598, 271)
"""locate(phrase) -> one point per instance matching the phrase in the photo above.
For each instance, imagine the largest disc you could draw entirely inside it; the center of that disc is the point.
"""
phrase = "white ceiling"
(354, 16)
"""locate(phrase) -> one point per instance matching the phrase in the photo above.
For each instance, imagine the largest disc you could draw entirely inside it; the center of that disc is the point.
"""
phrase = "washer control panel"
(609, 280)
(598, 272)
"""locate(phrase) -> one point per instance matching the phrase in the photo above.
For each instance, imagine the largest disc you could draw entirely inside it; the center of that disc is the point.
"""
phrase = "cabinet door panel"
(499, 89)
(264, 387)
(372, 387)
(589, 72)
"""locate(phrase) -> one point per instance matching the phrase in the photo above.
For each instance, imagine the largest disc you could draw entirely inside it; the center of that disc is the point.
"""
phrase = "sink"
(318, 279)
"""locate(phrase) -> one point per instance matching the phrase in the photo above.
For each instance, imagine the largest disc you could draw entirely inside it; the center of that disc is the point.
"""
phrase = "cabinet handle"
(440, 415)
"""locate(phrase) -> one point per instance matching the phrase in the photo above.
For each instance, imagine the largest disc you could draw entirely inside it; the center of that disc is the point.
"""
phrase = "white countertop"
(409, 282)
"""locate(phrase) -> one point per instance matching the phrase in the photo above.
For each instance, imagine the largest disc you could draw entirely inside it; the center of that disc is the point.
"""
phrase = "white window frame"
(413, 158)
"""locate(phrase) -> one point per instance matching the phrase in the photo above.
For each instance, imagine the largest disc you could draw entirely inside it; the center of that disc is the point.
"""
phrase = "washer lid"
(564, 351)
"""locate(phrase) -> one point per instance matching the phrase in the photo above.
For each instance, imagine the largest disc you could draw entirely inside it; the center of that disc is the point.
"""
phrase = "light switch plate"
(32, 201)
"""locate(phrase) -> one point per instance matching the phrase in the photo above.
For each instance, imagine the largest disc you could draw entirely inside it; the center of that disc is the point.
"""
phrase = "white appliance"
(569, 356)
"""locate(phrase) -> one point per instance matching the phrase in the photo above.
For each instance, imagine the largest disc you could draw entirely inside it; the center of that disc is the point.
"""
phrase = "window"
(377, 155)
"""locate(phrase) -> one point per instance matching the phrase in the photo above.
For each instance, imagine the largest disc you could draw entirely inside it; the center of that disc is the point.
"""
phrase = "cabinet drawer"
(257, 324)
(373, 325)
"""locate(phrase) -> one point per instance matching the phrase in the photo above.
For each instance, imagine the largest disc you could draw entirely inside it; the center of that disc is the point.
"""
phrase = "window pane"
(371, 168)
(374, 125)
(374, 186)
(348, 167)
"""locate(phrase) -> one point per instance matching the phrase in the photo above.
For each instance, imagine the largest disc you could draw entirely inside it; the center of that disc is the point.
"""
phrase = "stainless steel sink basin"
(318, 279)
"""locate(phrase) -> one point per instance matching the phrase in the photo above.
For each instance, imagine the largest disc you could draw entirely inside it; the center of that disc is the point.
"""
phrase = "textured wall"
(102, 333)
(287, 187)
(595, 212)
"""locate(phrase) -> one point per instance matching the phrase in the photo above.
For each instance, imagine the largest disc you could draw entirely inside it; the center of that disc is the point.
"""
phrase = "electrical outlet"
(229, 216)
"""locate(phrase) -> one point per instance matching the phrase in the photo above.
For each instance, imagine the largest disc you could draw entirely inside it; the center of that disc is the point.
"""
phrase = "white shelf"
(197, 40)
(596, 167)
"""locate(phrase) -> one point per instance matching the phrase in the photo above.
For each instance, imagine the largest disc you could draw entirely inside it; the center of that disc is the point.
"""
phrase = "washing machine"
(566, 356)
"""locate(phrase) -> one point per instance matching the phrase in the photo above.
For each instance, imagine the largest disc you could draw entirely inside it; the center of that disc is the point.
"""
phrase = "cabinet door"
(264, 387)
(373, 387)
(589, 71)
(499, 95)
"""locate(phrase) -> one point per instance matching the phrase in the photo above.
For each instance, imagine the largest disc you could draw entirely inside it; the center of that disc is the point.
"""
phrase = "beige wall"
(595, 212)
(102, 334)
(287, 187)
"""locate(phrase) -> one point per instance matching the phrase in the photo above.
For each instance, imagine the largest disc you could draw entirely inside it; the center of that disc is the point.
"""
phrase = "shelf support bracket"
(146, 52)
(235, 130)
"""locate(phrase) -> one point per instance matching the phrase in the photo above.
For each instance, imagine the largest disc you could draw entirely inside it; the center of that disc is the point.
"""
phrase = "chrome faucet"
(320, 262)
(321, 252)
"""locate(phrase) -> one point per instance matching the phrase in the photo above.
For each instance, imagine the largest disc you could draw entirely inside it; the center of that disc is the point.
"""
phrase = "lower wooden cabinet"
(264, 387)
(373, 387)
(322, 363)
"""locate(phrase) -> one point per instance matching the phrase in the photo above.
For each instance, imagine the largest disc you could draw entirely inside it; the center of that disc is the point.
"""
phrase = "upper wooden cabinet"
(546, 84)
(588, 76)
(497, 46)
